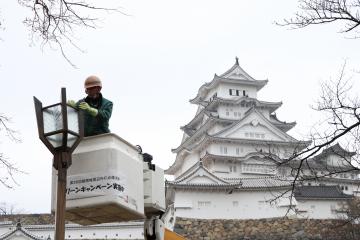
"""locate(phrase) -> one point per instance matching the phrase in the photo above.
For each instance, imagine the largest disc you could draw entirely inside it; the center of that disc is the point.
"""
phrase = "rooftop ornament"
(60, 128)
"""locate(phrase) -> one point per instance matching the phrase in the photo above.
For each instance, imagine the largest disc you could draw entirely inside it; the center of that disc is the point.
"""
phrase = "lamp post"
(60, 128)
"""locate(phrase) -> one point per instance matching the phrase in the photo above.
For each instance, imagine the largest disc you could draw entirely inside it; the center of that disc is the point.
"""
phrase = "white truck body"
(104, 182)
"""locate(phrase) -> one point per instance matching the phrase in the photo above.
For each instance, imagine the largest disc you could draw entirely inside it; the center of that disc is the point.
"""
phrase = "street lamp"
(60, 128)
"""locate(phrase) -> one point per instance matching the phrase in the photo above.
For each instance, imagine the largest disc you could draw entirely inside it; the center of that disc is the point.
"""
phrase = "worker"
(97, 109)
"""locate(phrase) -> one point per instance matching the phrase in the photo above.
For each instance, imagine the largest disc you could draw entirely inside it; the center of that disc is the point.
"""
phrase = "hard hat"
(92, 81)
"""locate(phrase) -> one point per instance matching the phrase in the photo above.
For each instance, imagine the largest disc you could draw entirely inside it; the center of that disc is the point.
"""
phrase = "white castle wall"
(131, 230)
(221, 205)
(223, 90)
(320, 209)
(189, 161)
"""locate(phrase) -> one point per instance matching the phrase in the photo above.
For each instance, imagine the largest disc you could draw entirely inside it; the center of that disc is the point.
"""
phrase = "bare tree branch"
(6, 166)
(9, 209)
(55, 21)
(315, 12)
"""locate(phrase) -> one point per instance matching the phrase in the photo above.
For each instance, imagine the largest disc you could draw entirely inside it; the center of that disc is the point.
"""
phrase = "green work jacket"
(100, 123)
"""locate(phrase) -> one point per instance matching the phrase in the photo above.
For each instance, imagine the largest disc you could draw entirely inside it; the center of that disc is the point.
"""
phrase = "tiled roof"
(336, 150)
(262, 182)
(193, 169)
(240, 77)
(317, 163)
(21, 229)
(240, 183)
(320, 192)
(241, 99)
(205, 185)
(285, 126)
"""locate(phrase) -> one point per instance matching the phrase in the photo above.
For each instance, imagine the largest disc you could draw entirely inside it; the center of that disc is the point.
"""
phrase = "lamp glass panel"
(73, 121)
(71, 140)
(53, 119)
(55, 139)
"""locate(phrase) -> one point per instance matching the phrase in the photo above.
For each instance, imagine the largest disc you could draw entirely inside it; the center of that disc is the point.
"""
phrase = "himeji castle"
(221, 170)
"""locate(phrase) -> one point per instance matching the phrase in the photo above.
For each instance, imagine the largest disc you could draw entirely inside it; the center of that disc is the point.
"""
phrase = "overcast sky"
(151, 63)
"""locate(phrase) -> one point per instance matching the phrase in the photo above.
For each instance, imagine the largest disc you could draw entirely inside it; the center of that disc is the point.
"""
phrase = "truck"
(111, 180)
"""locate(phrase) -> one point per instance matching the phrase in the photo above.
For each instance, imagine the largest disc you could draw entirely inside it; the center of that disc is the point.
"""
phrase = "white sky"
(151, 64)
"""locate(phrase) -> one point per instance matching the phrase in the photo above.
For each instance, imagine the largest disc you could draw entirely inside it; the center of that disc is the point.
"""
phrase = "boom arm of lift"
(155, 225)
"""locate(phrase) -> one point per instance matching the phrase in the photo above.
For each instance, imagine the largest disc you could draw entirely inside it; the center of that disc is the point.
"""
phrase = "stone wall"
(269, 229)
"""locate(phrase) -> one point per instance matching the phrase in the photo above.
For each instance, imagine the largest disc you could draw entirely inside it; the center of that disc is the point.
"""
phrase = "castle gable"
(254, 126)
(198, 174)
(236, 72)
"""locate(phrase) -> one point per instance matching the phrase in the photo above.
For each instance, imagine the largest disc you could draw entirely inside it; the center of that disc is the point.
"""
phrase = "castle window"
(234, 92)
(255, 135)
(258, 169)
(223, 150)
(235, 203)
(204, 204)
(237, 151)
(244, 93)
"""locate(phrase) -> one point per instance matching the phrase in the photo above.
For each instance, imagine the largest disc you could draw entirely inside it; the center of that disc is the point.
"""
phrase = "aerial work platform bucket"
(103, 182)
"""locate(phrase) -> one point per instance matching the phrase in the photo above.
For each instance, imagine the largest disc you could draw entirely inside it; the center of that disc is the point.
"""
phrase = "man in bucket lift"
(97, 109)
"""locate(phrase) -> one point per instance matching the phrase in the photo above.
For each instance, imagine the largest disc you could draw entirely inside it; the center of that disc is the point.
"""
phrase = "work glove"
(85, 106)
(71, 103)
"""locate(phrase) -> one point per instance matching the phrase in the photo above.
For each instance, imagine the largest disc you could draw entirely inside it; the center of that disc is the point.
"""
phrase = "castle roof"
(321, 165)
(335, 150)
(319, 162)
(202, 135)
(266, 160)
(284, 126)
(262, 182)
(189, 128)
(207, 111)
(320, 192)
(260, 119)
(198, 166)
(238, 100)
(234, 75)
(22, 231)
(199, 177)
